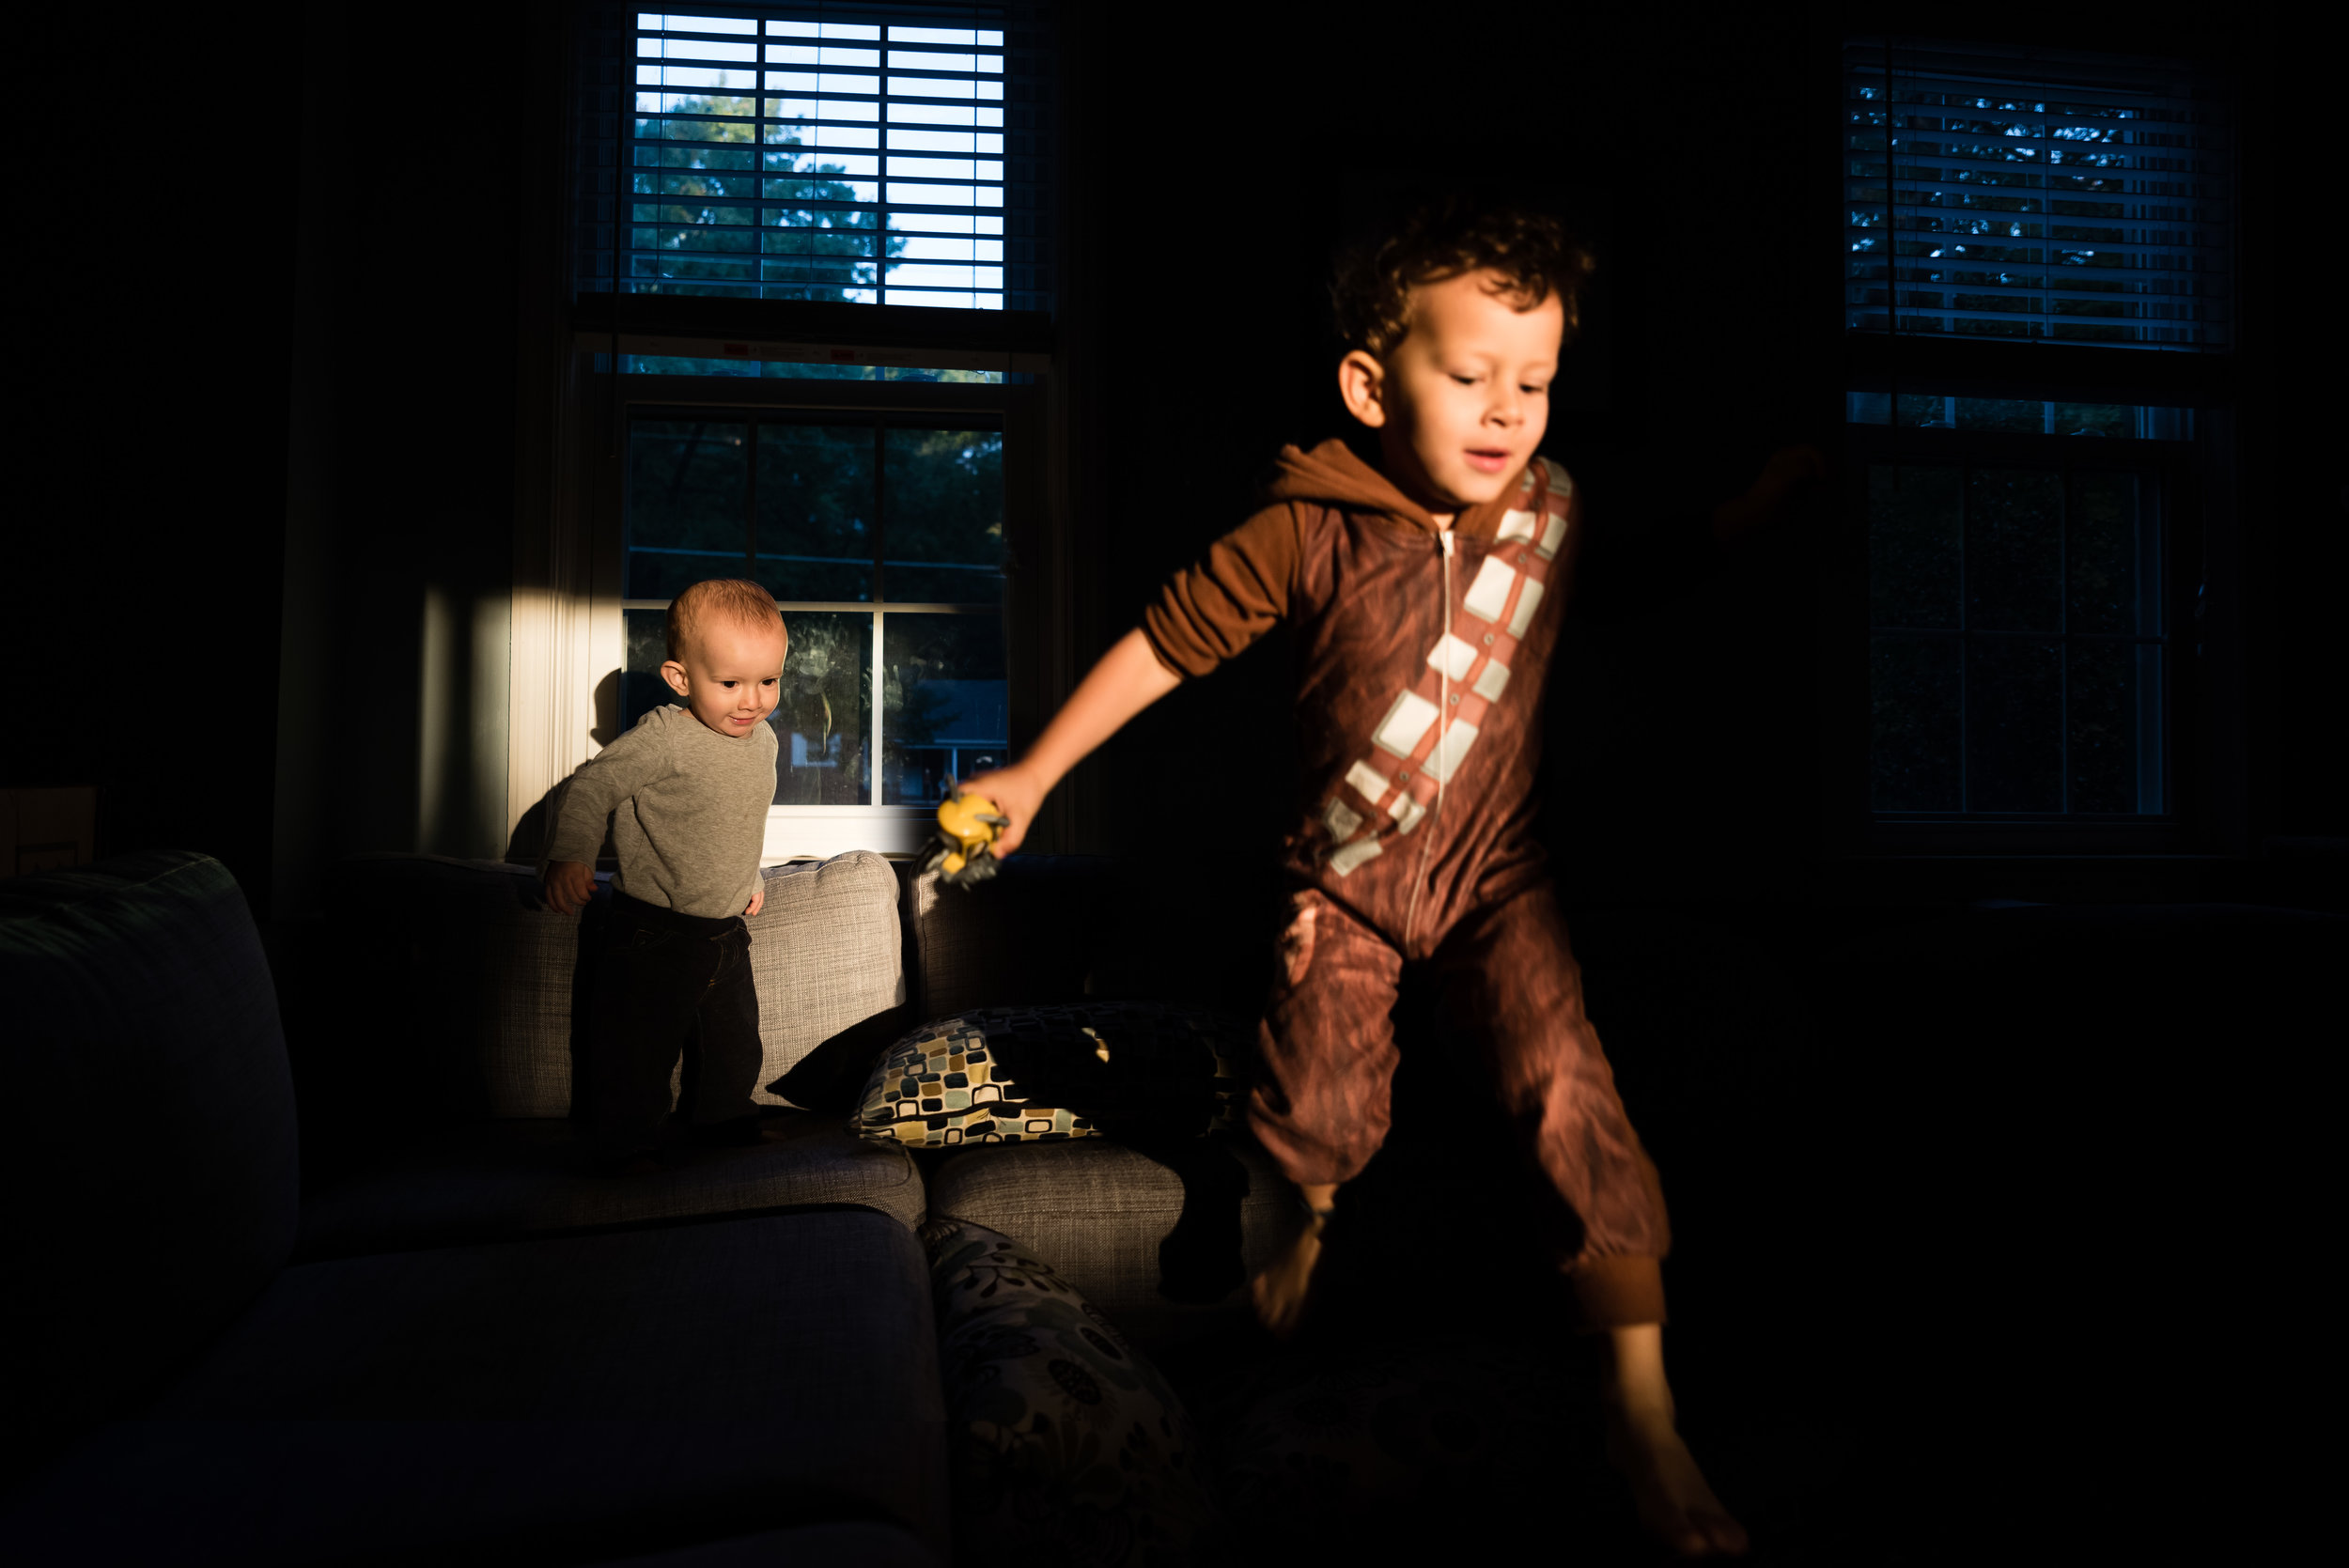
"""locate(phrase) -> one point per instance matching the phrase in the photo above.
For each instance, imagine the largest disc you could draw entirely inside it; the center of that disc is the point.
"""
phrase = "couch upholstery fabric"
(1065, 1444)
(1099, 1210)
(556, 1400)
(489, 976)
(497, 1180)
(140, 1012)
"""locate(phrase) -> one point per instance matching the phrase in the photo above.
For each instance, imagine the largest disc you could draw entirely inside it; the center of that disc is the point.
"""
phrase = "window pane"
(2113, 701)
(2013, 415)
(944, 491)
(824, 719)
(1914, 524)
(2112, 556)
(2014, 726)
(645, 648)
(686, 495)
(1913, 694)
(943, 695)
(815, 511)
(2014, 550)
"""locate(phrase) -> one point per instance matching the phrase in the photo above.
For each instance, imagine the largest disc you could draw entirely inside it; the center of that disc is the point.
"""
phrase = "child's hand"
(569, 886)
(1017, 795)
(759, 900)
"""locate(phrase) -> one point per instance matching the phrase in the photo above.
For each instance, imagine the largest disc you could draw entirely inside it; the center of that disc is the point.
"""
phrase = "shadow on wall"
(528, 840)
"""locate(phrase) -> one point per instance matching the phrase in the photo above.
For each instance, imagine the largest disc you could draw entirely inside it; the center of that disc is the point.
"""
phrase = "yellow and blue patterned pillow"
(1018, 1075)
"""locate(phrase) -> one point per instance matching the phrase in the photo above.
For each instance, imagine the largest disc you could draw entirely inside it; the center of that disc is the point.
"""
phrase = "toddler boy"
(686, 793)
(1425, 595)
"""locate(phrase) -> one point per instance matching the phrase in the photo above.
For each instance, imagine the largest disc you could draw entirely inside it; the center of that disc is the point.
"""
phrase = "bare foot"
(1280, 1291)
(1676, 1506)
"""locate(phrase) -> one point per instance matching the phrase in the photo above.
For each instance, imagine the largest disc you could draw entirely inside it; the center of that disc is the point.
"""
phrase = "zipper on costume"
(1443, 739)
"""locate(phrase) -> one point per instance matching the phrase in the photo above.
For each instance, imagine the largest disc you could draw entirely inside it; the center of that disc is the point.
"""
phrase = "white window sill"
(820, 832)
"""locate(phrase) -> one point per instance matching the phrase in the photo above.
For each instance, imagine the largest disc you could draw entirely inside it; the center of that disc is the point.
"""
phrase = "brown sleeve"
(1619, 1292)
(1208, 613)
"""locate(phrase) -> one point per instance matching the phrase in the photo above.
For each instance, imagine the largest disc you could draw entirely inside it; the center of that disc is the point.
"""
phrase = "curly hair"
(734, 598)
(1532, 251)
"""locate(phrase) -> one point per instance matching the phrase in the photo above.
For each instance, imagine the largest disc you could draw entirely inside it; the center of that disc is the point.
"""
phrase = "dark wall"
(400, 489)
(143, 551)
(289, 297)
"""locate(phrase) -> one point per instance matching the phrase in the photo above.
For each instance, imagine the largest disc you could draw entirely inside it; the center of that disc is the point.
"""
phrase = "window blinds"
(2035, 196)
(840, 152)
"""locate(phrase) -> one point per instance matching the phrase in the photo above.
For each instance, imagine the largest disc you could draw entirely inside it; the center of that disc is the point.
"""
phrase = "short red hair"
(732, 598)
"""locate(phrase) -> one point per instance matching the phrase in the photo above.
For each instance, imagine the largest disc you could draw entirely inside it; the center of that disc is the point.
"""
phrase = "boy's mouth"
(1485, 460)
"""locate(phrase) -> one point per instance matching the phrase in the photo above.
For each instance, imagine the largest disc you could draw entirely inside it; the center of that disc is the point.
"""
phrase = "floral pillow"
(1064, 1445)
(1011, 1075)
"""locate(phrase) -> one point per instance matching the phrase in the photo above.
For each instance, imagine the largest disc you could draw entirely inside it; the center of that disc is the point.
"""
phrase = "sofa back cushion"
(1059, 928)
(150, 1183)
(485, 982)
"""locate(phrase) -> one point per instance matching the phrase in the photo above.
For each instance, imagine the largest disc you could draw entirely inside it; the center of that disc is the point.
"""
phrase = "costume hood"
(1331, 475)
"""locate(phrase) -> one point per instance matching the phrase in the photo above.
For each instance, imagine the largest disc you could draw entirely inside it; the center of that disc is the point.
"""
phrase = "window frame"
(2195, 475)
(811, 832)
(2176, 468)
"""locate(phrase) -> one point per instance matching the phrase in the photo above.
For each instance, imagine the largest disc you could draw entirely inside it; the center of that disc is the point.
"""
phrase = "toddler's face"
(730, 675)
(1462, 402)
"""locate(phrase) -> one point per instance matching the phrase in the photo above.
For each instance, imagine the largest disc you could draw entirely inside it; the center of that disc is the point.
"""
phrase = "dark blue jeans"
(666, 984)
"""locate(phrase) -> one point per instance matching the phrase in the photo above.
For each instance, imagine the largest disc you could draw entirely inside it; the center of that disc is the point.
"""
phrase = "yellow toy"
(968, 824)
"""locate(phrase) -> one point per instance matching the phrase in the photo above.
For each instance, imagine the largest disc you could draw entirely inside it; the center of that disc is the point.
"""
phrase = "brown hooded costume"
(1422, 656)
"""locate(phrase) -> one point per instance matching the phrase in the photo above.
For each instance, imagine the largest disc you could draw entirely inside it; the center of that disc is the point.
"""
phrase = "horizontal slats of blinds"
(838, 152)
(2035, 196)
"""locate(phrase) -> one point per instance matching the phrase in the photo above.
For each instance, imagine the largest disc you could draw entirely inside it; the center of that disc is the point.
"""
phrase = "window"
(2021, 230)
(882, 536)
(811, 280)
(845, 154)
(2033, 199)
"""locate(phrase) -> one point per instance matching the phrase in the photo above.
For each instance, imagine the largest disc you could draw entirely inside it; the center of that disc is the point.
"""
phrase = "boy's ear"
(674, 672)
(1361, 382)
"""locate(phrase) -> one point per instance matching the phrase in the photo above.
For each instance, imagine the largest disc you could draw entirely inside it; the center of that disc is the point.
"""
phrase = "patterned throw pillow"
(1012, 1075)
(1064, 1446)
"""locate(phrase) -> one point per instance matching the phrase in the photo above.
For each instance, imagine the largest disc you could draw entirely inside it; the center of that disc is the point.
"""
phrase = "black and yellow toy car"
(962, 853)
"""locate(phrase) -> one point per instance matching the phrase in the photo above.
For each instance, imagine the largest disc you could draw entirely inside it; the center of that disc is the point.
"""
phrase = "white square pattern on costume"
(1348, 856)
(1342, 818)
(1406, 722)
(1452, 657)
(1368, 782)
(1489, 594)
(1516, 525)
(1528, 602)
(1489, 682)
(1457, 736)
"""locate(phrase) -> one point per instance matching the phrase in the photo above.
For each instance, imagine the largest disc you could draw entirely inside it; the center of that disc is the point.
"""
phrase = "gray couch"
(431, 1332)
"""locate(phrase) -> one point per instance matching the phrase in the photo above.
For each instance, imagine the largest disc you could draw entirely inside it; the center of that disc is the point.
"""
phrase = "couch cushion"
(140, 1014)
(1099, 1210)
(487, 975)
(1009, 1074)
(490, 1181)
(1021, 938)
(1065, 1444)
(559, 1400)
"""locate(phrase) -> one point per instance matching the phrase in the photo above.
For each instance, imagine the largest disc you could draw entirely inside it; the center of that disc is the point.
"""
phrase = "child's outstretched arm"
(1129, 679)
(1644, 1441)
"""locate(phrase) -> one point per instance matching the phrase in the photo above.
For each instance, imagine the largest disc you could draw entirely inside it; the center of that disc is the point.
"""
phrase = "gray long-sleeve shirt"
(688, 809)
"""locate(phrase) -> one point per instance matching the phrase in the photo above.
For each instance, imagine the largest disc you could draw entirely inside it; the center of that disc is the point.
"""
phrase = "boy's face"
(1460, 404)
(731, 675)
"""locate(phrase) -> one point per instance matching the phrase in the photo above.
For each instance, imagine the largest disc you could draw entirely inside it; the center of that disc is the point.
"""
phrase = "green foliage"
(698, 184)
